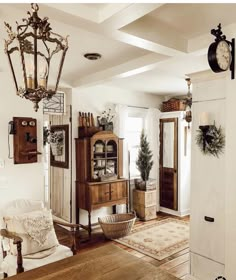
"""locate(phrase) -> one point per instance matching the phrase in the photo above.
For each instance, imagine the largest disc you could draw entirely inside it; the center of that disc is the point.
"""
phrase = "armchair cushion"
(35, 228)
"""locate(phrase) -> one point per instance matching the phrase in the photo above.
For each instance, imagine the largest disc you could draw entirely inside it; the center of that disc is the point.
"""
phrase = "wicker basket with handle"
(173, 104)
(117, 225)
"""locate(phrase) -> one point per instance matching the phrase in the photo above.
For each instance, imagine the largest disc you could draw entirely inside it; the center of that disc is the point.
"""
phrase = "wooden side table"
(145, 204)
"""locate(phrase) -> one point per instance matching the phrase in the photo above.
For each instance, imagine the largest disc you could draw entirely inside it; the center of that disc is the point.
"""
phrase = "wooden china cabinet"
(99, 173)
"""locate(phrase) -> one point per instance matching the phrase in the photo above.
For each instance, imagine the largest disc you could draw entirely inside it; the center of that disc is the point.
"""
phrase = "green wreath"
(214, 141)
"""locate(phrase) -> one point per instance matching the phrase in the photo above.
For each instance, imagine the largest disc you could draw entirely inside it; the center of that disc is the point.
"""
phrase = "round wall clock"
(219, 56)
(221, 53)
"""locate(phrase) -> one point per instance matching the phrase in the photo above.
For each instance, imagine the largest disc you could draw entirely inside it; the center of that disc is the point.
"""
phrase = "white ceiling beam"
(118, 35)
(129, 14)
(89, 12)
(190, 64)
(145, 44)
(110, 10)
(83, 11)
(146, 62)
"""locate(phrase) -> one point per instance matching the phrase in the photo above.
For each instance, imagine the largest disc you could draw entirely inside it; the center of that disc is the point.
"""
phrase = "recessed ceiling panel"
(192, 19)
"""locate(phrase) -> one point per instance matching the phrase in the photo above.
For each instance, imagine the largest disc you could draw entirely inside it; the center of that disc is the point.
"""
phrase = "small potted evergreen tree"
(144, 162)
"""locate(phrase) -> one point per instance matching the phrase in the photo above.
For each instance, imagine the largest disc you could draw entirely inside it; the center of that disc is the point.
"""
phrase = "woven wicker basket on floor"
(117, 225)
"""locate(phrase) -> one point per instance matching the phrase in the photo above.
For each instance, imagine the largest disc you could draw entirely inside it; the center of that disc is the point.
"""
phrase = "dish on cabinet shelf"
(101, 163)
(109, 176)
(110, 148)
(99, 148)
(110, 170)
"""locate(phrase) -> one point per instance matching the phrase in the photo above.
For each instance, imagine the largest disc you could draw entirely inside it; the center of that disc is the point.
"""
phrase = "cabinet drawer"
(99, 193)
(118, 190)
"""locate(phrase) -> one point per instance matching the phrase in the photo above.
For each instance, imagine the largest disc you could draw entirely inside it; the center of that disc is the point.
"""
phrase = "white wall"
(214, 182)
(208, 183)
(96, 99)
(18, 180)
(230, 195)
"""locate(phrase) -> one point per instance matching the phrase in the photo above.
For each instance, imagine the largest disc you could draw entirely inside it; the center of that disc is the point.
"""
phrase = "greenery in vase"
(144, 162)
(57, 137)
(105, 118)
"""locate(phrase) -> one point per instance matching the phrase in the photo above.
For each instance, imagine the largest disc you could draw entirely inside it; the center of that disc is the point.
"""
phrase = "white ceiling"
(144, 47)
(191, 20)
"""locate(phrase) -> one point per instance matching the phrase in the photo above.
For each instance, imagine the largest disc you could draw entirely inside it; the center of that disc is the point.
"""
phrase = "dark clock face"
(219, 56)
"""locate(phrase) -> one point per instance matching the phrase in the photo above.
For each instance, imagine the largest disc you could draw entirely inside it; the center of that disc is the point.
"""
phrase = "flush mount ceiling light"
(92, 56)
(31, 51)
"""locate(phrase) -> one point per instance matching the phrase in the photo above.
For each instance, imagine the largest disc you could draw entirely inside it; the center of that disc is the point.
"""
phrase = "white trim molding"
(175, 213)
(190, 277)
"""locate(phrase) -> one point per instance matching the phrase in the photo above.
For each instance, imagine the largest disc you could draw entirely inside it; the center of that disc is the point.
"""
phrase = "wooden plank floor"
(176, 264)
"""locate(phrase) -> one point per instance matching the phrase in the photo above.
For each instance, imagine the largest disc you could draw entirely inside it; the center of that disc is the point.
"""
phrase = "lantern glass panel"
(29, 68)
(54, 68)
(17, 70)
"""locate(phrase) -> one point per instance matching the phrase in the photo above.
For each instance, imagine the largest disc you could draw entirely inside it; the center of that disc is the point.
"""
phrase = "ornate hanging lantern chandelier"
(31, 51)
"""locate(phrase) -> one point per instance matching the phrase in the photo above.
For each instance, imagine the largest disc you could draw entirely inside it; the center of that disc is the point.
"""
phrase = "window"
(55, 105)
(135, 124)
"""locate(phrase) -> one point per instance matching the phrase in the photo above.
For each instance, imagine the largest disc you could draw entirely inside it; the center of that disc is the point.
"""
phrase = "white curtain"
(152, 130)
(120, 121)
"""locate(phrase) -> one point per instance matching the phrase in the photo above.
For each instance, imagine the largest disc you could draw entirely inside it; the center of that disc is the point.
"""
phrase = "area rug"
(160, 239)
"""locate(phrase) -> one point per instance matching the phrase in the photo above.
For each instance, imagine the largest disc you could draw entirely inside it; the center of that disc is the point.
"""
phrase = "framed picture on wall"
(59, 146)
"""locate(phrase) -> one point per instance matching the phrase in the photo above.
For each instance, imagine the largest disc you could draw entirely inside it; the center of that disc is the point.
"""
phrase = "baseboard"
(175, 213)
(1, 275)
(185, 213)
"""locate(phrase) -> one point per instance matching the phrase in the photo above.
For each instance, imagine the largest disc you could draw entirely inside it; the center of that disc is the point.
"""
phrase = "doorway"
(169, 163)
(175, 163)
(58, 180)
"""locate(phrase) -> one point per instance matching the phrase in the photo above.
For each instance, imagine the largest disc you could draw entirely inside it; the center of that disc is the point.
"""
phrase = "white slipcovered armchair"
(28, 237)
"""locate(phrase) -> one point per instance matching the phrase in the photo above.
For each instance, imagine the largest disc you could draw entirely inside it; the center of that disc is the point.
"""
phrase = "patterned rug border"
(159, 255)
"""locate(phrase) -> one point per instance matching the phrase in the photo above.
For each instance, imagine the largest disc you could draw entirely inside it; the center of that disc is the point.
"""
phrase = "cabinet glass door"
(111, 157)
(98, 160)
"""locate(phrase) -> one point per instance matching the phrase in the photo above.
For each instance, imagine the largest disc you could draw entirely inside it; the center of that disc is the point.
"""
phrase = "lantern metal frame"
(41, 30)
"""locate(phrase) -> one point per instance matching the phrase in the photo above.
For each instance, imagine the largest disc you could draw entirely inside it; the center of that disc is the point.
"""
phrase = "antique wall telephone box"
(24, 132)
